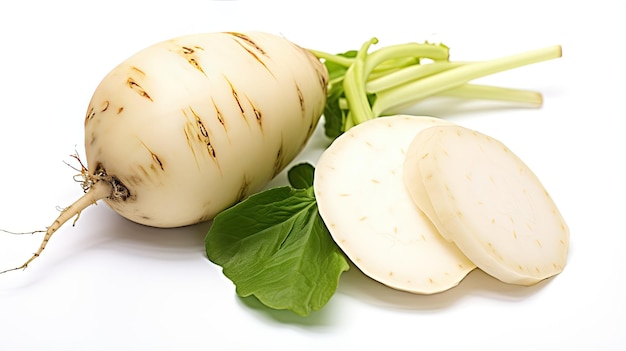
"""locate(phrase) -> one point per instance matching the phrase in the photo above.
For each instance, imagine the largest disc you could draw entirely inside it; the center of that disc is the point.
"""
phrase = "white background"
(109, 284)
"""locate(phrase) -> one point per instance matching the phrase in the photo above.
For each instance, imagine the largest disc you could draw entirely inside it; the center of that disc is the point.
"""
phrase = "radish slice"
(361, 197)
(488, 202)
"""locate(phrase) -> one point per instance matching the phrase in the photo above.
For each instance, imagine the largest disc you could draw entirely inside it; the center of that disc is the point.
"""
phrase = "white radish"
(483, 198)
(187, 127)
(361, 196)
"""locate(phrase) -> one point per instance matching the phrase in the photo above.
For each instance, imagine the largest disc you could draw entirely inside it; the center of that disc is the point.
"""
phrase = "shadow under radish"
(356, 284)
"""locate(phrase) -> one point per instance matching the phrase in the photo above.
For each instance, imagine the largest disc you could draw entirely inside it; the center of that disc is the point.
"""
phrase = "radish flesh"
(482, 197)
(361, 196)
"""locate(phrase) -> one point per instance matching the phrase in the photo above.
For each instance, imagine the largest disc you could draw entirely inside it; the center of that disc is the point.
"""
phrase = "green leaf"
(301, 176)
(336, 70)
(334, 116)
(275, 246)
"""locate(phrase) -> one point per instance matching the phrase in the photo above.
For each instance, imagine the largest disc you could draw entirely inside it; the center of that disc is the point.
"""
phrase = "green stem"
(347, 61)
(394, 64)
(354, 87)
(365, 64)
(340, 60)
(432, 85)
(408, 74)
(485, 92)
(410, 50)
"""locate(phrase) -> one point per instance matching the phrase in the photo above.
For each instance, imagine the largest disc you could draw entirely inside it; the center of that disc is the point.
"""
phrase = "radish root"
(97, 190)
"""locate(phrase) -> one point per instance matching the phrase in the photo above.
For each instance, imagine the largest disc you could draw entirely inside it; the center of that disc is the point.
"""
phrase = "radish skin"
(483, 198)
(361, 197)
(187, 148)
(188, 127)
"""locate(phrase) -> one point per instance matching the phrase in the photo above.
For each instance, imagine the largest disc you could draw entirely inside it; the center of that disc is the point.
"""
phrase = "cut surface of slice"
(483, 198)
(361, 196)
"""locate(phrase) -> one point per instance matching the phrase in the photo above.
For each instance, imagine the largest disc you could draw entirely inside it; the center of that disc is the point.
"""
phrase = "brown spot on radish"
(321, 76)
(249, 45)
(320, 69)
(92, 138)
(137, 88)
(204, 217)
(301, 100)
(192, 61)
(90, 114)
(190, 144)
(193, 133)
(280, 160)
(258, 116)
(201, 127)
(120, 110)
(258, 59)
(243, 189)
(211, 150)
(203, 135)
(248, 41)
(158, 161)
(191, 50)
(189, 54)
(218, 114)
(155, 158)
(135, 180)
(105, 106)
(137, 70)
(236, 97)
(257, 113)
(311, 129)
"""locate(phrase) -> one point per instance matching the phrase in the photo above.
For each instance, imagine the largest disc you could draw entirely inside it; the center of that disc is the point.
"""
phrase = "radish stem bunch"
(365, 85)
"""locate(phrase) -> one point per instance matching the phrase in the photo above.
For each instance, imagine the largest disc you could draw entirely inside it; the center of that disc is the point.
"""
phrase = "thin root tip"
(13, 269)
